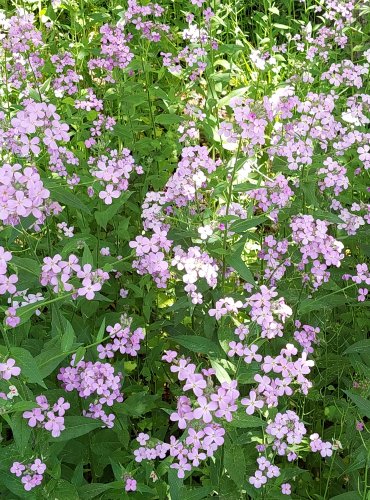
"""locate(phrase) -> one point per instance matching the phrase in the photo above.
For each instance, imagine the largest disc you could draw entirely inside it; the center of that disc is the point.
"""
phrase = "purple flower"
(252, 403)
(258, 480)
(17, 468)
(142, 438)
(286, 489)
(34, 416)
(130, 484)
(8, 369)
(181, 467)
(89, 289)
(38, 466)
(204, 410)
(54, 424)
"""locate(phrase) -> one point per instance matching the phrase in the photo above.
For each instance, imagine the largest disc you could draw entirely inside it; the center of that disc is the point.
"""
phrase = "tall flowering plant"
(184, 275)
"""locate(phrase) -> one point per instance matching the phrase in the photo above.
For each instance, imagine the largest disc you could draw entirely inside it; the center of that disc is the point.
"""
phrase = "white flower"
(13, 392)
(205, 232)
(257, 59)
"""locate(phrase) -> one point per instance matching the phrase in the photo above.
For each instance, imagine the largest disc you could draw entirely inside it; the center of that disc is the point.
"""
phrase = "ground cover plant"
(184, 210)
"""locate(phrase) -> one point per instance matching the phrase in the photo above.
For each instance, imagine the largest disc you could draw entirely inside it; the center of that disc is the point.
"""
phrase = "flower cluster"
(317, 245)
(113, 171)
(20, 44)
(190, 175)
(266, 470)
(306, 336)
(197, 265)
(37, 118)
(31, 474)
(275, 194)
(250, 122)
(203, 436)
(191, 57)
(114, 51)
(268, 312)
(345, 73)
(7, 281)
(48, 417)
(287, 431)
(94, 379)
(362, 277)
(137, 14)
(335, 176)
(123, 340)
(225, 306)
(58, 273)
(23, 194)
(325, 448)
(272, 252)
(89, 102)
(151, 256)
(130, 483)
(65, 82)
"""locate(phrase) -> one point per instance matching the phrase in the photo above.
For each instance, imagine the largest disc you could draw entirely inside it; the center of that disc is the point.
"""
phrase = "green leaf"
(87, 257)
(28, 366)
(362, 404)
(234, 462)
(26, 265)
(91, 115)
(65, 197)
(21, 432)
(197, 344)
(25, 312)
(103, 217)
(89, 491)
(80, 353)
(241, 226)
(349, 495)
(176, 485)
(328, 216)
(235, 93)
(236, 262)
(168, 119)
(101, 331)
(221, 373)
(361, 347)
(243, 187)
(64, 489)
(68, 338)
(23, 406)
(137, 404)
(13, 483)
(244, 421)
(281, 26)
(197, 493)
(329, 302)
(77, 426)
(48, 360)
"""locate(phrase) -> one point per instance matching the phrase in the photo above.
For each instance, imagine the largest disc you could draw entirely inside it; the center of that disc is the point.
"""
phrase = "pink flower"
(17, 468)
(252, 403)
(89, 289)
(34, 416)
(8, 369)
(109, 193)
(258, 479)
(38, 466)
(286, 489)
(181, 468)
(130, 484)
(204, 410)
